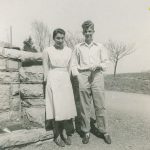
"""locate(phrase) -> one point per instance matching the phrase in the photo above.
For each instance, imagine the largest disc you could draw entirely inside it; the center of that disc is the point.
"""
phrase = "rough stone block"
(9, 77)
(15, 103)
(21, 55)
(24, 138)
(13, 64)
(15, 115)
(10, 53)
(31, 57)
(36, 115)
(41, 145)
(14, 77)
(4, 97)
(34, 102)
(31, 90)
(32, 74)
(2, 63)
(4, 116)
(15, 89)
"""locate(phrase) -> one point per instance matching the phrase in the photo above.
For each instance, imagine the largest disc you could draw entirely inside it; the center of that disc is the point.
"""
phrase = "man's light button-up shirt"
(87, 55)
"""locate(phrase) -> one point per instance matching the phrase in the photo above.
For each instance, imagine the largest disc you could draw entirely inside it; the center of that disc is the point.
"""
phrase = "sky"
(125, 21)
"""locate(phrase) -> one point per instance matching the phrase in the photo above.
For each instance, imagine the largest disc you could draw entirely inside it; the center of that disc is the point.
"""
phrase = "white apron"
(60, 104)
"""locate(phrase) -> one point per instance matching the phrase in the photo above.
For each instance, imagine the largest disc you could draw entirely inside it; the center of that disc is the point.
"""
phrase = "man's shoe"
(86, 138)
(59, 142)
(107, 138)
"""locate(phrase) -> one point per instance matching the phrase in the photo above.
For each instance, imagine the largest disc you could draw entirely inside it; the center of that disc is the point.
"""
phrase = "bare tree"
(41, 35)
(118, 50)
(72, 39)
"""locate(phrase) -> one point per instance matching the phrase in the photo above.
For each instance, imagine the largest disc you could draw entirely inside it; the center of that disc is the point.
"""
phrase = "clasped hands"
(94, 67)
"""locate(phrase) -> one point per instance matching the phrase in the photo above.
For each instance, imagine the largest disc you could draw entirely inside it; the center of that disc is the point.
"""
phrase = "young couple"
(87, 63)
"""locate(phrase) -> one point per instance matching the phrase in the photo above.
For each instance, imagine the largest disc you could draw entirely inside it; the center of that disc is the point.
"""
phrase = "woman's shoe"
(67, 140)
(59, 142)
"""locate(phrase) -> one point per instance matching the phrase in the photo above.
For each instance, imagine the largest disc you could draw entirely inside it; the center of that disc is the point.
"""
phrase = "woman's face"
(59, 39)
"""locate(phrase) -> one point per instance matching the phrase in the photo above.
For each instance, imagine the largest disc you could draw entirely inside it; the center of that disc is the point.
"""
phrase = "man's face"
(88, 33)
(59, 39)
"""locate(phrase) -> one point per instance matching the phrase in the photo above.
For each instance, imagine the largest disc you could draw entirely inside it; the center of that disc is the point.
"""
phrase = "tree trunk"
(115, 67)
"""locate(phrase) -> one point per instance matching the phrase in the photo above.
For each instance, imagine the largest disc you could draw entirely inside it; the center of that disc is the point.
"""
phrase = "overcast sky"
(120, 20)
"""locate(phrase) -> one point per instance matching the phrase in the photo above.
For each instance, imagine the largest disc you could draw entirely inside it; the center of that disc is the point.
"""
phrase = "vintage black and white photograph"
(74, 74)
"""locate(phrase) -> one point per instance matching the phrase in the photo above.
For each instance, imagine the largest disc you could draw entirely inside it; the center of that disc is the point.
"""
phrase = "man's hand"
(94, 67)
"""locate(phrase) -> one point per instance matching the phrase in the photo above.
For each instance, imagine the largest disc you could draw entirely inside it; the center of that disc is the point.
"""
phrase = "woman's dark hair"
(59, 30)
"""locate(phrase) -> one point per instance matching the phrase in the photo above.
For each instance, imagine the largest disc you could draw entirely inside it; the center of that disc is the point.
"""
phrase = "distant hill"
(129, 82)
(147, 71)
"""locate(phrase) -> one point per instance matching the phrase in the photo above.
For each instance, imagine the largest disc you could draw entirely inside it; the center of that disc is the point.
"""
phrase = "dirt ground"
(129, 125)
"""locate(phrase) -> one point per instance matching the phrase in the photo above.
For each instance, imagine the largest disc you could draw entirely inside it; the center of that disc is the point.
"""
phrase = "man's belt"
(87, 70)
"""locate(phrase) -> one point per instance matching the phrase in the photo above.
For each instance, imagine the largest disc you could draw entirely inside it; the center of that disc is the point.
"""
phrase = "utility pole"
(11, 36)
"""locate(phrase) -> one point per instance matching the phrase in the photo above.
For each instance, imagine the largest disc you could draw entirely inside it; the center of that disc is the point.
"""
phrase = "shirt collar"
(90, 45)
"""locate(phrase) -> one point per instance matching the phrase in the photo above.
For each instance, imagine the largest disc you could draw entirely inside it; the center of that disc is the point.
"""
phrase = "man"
(88, 63)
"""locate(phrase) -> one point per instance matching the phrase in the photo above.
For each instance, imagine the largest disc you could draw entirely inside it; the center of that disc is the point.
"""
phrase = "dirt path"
(129, 125)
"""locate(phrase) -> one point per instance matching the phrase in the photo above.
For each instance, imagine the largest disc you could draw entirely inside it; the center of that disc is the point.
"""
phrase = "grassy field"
(129, 82)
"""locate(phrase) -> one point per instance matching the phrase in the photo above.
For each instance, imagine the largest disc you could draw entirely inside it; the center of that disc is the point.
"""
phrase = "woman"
(60, 105)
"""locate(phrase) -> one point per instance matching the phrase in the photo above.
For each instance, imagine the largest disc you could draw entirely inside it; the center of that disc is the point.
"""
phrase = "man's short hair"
(59, 30)
(87, 24)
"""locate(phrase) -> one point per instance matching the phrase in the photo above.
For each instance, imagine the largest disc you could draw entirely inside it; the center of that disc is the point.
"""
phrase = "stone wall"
(10, 104)
(129, 82)
(22, 105)
(31, 91)
(21, 96)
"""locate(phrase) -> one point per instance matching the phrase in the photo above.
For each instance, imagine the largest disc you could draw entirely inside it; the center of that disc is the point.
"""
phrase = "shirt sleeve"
(45, 64)
(75, 62)
(104, 58)
(69, 64)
